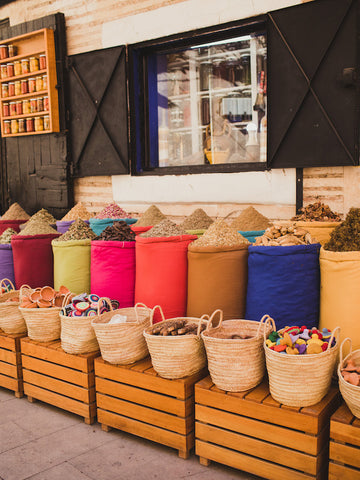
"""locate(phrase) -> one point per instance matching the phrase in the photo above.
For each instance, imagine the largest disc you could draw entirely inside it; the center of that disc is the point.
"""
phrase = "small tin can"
(21, 122)
(7, 127)
(46, 122)
(4, 90)
(14, 126)
(46, 104)
(40, 104)
(34, 64)
(26, 106)
(30, 124)
(39, 124)
(10, 69)
(12, 109)
(33, 105)
(17, 87)
(39, 84)
(44, 82)
(19, 107)
(32, 85)
(24, 86)
(12, 50)
(4, 52)
(42, 62)
(6, 109)
(3, 71)
(17, 67)
(11, 89)
(25, 67)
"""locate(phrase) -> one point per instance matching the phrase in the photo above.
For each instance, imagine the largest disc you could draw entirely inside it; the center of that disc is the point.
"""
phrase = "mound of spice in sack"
(176, 327)
(300, 340)
(198, 220)
(79, 230)
(44, 216)
(166, 228)
(317, 212)
(78, 211)
(345, 237)
(5, 237)
(286, 235)
(220, 234)
(37, 227)
(85, 305)
(351, 371)
(250, 219)
(119, 231)
(151, 217)
(45, 297)
(15, 212)
(112, 211)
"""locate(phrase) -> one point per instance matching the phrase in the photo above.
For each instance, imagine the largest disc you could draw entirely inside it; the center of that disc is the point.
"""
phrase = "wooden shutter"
(313, 85)
(98, 121)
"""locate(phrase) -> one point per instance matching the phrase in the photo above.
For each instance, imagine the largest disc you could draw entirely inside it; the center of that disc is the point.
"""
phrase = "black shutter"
(313, 85)
(98, 118)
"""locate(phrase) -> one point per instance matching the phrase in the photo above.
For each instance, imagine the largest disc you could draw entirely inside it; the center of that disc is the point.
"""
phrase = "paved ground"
(41, 442)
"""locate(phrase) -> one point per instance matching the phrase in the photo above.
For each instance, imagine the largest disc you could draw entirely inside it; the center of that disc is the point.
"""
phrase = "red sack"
(112, 270)
(138, 230)
(33, 260)
(161, 273)
(14, 224)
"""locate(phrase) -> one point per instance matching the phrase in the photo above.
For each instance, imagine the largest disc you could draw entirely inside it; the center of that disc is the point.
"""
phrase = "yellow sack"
(72, 265)
(319, 230)
(339, 293)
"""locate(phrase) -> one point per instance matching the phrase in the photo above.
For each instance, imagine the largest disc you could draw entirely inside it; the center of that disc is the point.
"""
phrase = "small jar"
(17, 67)
(46, 122)
(14, 126)
(39, 124)
(3, 71)
(44, 78)
(4, 90)
(12, 109)
(11, 89)
(34, 64)
(21, 122)
(39, 84)
(24, 86)
(10, 69)
(7, 127)
(26, 106)
(6, 109)
(17, 87)
(33, 105)
(40, 104)
(30, 124)
(19, 107)
(25, 67)
(4, 52)
(46, 104)
(12, 50)
(42, 62)
(32, 85)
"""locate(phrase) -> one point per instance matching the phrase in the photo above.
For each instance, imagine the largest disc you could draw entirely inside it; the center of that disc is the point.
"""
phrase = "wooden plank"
(145, 414)
(263, 431)
(8, 342)
(57, 371)
(341, 472)
(323, 410)
(63, 388)
(343, 415)
(247, 463)
(69, 404)
(346, 454)
(142, 365)
(9, 370)
(182, 408)
(259, 393)
(156, 434)
(344, 433)
(10, 357)
(10, 383)
(257, 448)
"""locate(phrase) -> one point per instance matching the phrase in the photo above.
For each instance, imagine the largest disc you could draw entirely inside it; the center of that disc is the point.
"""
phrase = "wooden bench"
(137, 400)
(55, 377)
(10, 363)
(252, 432)
(344, 445)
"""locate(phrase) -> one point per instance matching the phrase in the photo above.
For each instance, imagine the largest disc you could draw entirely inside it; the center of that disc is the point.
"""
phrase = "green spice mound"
(37, 227)
(5, 237)
(151, 217)
(166, 228)
(79, 230)
(15, 212)
(198, 220)
(346, 236)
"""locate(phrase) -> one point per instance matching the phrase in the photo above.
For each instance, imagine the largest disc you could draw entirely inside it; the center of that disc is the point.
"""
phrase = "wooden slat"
(142, 365)
(10, 342)
(264, 431)
(344, 433)
(259, 393)
(343, 415)
(10, 357)
(9, 370)
(341, 472)
(345, 454)
(145, 414)
(10, 383)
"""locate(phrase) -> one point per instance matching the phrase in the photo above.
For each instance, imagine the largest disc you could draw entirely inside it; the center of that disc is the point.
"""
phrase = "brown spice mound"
(43, 215)
(79, 230)
(15, 212)
(346, 236)
(317, 212)
(166, 228)
(220, 234)
(250, 219)
(151, 217)
(285, 236)
(5, 237)
(77, 211)
(37, 227)
(198, 220)
(119, 231)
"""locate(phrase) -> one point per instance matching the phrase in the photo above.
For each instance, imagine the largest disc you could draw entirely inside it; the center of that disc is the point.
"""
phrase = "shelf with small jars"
(28, 85)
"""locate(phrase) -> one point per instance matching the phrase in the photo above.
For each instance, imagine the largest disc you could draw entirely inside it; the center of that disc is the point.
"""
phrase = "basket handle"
(66, 299)
(139, 304)
(337, 330)
(221, 313)
(266, 319)
(104, 300)
(342, 347)
(204, 317)
(153, 312)
(24, 287)
(2, 283)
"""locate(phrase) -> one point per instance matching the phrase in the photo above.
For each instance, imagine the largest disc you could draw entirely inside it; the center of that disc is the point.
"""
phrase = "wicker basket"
(350, 393)
(301, 380)
(123, 343)
(176, 356)
(236, 364)
(11, 320)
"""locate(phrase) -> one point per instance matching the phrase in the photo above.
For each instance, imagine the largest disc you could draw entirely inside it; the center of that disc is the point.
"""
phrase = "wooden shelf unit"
(10, 363)
(29, 45)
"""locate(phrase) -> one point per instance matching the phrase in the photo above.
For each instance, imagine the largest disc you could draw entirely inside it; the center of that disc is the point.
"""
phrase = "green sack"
(72, 265)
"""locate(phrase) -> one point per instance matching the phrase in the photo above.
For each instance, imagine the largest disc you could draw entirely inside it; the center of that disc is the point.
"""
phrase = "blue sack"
(6, 262)
(252, 234)
(97, 225)
(284, 282)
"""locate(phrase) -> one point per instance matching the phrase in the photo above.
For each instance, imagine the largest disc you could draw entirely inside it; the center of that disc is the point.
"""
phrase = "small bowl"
(47, 293)
(58, 300)
(63, 290)
(30, 305)
(44, 303)
(35, 296)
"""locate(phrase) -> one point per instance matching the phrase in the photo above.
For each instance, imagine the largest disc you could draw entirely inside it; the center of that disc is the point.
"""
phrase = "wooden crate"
(55, 377)
(344, 445)
(10, 363)
(252, 432)
(135, 399)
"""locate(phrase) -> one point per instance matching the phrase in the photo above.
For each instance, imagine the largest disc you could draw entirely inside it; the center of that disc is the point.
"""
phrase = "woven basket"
(301, 380)
(11, 320)
(176, 356)
(123, 343)
(236, 365)
(350, 393)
